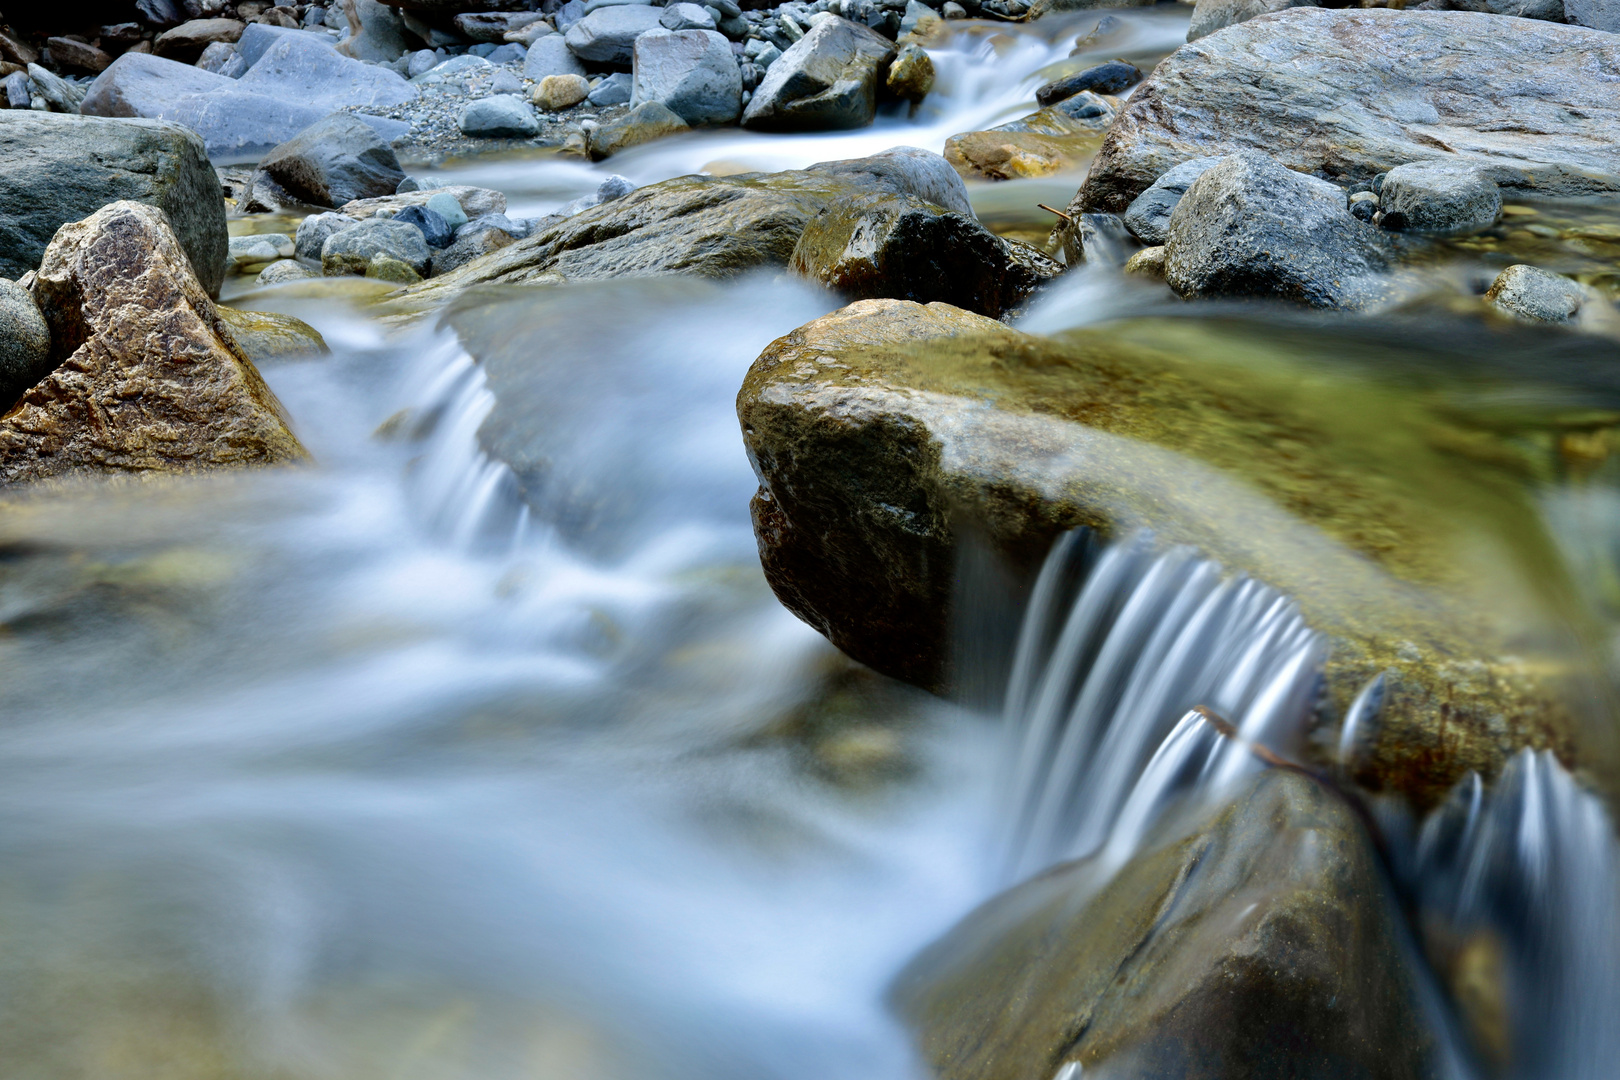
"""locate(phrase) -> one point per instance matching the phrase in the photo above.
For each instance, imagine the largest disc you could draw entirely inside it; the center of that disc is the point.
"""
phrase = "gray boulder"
(259, 37)
(1148, 216)
(1366, 86)
(1598, 14)
(59, 94)
(376, 32)
(299, 68)
(827, 80)
(1439, 197)
(616, 89)
(315, 230)
(608, 35)
(1211, 15)
(1532, 294)
(65, 168)
(1249, 227)
(906, 170)
(334, 161)
(500, 117)
(139, 84)
(686, 16)
(690, 72)
(474, 240)
(352, 250)
(551, 56)
(25, 343)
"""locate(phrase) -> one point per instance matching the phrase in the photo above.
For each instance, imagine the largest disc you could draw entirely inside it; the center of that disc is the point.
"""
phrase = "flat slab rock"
(1348, 94)
(152, 379)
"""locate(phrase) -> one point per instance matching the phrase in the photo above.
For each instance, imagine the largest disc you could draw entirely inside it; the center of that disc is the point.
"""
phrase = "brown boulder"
(187, 41)
(78, 55)
(151, 379)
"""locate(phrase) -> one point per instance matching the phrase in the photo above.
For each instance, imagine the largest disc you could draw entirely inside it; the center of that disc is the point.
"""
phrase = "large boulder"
(1260, 941)
(643, 124)
(1348, 94)
(883, 431)
(64, 168)
(690, 72)
(827, 80)
(1148, 216)
(608, 35)
(705, 226)
(140, 84)
(1249, 227)
(1211, 15)
(334, 161)
(352, 250)
(551, 56)
(259, 37)
(886, 245)
(150, 379)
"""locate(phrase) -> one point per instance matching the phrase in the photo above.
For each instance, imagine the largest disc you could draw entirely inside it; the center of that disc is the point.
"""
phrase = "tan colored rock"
(267, 336)
(1062, 136)
(1149, 262)
(78, 56)
(648, 121)
(151, 379)
(186, 42)
(911, 76)
(560, 92)
(387, 268)
(475, 201)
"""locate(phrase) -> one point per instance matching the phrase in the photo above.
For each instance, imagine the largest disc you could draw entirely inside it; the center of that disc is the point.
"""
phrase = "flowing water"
(411, 765)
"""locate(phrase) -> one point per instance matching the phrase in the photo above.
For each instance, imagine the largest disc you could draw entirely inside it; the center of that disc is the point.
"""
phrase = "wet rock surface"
(1256, 84)
(60, 169)
(25, 342)
(1439, 196)
(1260, 941)
(335, 161)
(827, 80)
(150, 379)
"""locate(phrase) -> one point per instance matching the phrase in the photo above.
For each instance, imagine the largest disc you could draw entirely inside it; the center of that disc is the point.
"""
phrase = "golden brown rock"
(268, 335)
(151, 379)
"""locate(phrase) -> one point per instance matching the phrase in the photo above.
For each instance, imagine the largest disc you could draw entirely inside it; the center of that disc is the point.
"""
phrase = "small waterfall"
(1525, 877)
(1121, 646)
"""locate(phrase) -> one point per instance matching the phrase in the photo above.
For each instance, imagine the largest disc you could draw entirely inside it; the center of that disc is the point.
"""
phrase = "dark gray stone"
(351, 251)
(334, 161)
(828, 80)
(1249, 227)
(1148, 216)
(691, 72)
(315, 230)
(25, 343)
(1109, 78)
(435, 230)
(608, 35)
(64, 168)
(1439, 197)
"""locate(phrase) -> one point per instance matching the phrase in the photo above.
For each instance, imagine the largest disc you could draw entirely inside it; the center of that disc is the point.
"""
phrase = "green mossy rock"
(1406, 535)
(265, 336)
(1259, 942)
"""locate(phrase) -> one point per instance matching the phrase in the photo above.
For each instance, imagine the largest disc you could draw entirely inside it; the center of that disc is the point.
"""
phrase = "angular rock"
(1211, 15)
(351, 250)
(1109, 78)
(221, 59)
(690, 72)
(78, 56)
(1260, 940)
(686, 16)
(883, 432)
(150, 380)
(901, 247)
(642, 124)
(616, 89)
(1148, 216)
(377, 32)
(1439, 197)
(1249, 227)
(1364, 85)
(59, 94)
(474, 201)
(561, 92)
(315, 230)
(503, 116)
(138, 84)
(551, 56)
(911, 76)
(473, 242)
(258, 38)
(435, 229)
(267, 337)
(337, 160)
(63, 168)
(25, 343)
(1535, 295)
(187, 41)
(828, 80)
(608, 35)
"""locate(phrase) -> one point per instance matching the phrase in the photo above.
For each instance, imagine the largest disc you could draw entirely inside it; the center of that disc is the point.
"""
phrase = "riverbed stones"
(1348, 94)
(885, 245)
(827, 80)
(646, 122)
(1258, 940)
(149, 380)
(334, 161)
(1148, 216)
(1054, 139)
(252, 253)
(690, 72)
(883, 432)
(62, 168)
(1439, 197)
(474, 202)
(556, 92)
(1536, 295)
(352, 250)
(501, 116)
(1249, 227)
(25, 342)
(608, 35)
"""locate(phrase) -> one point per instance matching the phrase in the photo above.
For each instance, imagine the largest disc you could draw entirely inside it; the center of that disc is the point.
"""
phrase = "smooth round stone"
(561, 92)
(1536, 295)
(501, 116)
(447, 207)
(435, 229)
(25, 341)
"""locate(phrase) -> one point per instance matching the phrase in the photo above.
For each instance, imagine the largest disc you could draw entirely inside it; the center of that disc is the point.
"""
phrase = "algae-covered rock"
(151, 378)
(900, 246)
(881, 429)
(1258, 943)
(265, 336)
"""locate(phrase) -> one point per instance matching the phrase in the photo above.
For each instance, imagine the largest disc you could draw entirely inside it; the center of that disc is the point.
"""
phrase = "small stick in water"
(1225, 729)
(1059, 213)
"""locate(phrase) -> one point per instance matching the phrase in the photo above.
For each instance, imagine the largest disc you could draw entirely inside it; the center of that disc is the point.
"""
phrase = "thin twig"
(1059, 213)
(1224, 728)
